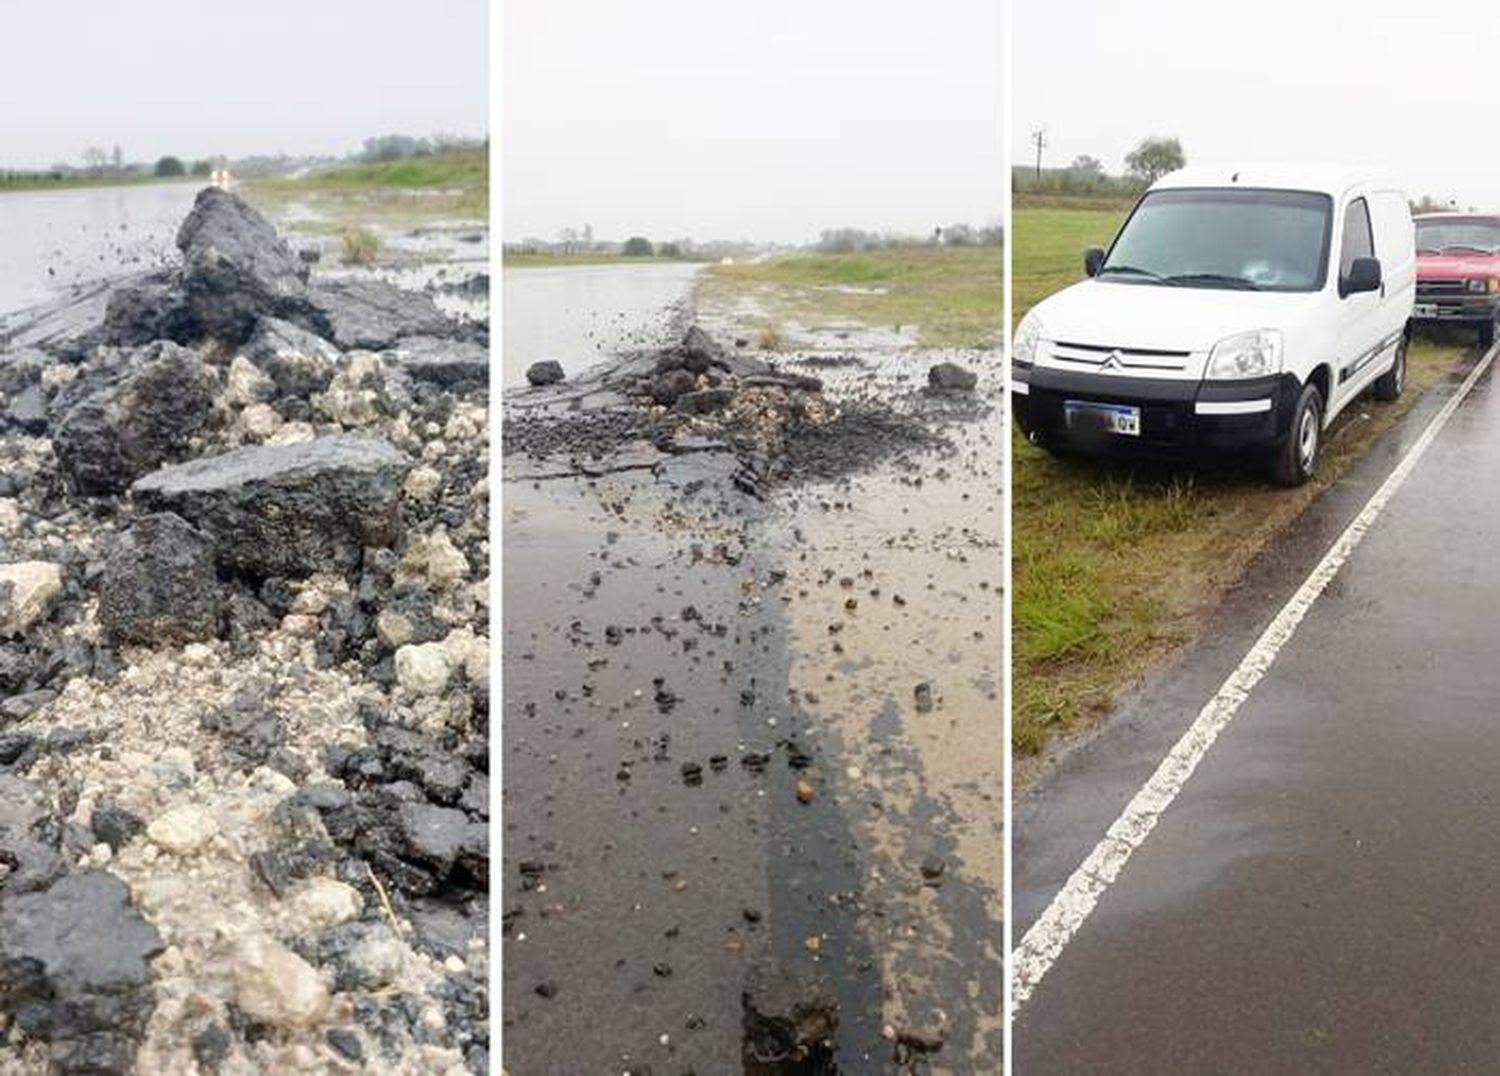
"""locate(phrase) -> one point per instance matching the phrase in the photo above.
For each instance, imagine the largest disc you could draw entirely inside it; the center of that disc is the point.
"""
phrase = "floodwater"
(580, 315)
(52, 241)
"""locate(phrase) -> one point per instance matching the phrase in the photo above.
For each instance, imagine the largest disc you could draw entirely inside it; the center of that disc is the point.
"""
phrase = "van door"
(1360, 344)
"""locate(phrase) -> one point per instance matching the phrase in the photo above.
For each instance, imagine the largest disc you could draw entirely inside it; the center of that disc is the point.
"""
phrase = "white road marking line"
(1045, 941)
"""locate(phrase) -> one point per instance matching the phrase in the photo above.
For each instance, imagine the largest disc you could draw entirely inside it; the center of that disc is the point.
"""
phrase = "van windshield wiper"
(1211, 279)
(1134, 271)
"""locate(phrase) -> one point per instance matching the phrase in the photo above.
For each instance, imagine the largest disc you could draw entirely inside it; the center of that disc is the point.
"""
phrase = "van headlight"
(1028, 334)
(1253, 354)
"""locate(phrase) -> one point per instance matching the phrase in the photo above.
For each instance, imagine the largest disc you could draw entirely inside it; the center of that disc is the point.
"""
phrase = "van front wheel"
(1388, 386)
(1297, 456)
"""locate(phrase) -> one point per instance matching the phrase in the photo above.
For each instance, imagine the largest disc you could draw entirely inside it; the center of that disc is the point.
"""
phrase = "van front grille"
(1127, 358)
(1441, 287)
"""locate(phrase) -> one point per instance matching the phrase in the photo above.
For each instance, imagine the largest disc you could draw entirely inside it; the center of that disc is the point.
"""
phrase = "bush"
(769, 338)
(360, 246)
(170, 166)
(638, 246)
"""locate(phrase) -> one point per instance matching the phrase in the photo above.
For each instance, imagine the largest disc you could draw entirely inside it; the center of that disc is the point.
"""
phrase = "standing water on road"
(579, 315)
(52, 240)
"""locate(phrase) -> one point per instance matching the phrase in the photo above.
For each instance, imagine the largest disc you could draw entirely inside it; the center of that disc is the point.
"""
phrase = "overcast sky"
(767, 120)
(1379, 82)
(198, 78)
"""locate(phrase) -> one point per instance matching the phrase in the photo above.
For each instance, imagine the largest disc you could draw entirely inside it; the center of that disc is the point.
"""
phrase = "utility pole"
(1039, 139)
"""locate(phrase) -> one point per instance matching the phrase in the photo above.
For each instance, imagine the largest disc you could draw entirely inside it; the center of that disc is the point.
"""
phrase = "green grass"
(447, 184)
(951, 296)
(1117, 564)
(1049, 245)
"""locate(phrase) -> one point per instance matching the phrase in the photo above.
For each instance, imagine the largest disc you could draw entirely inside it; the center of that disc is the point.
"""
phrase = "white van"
(1238, 309)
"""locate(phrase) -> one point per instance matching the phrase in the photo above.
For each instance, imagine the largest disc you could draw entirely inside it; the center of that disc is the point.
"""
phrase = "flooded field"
(54, 240)
(580, 315)
(753, 732)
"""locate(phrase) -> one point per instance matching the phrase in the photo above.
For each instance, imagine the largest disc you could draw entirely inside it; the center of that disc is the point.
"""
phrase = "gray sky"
(762, 119)
(195, 78)
(1378, 82)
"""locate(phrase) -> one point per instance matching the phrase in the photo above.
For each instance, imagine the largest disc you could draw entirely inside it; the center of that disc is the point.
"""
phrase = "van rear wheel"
(1297, 456)
(1389, 385)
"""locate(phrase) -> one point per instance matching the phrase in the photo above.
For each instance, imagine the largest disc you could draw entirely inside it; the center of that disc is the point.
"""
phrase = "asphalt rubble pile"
(243, 675)
(699, 396)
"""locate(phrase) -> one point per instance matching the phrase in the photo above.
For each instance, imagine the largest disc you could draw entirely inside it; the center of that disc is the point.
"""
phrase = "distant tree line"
(1428, 204)
(398, 147)
(848, 240)
(1151, 159)
(581, 241)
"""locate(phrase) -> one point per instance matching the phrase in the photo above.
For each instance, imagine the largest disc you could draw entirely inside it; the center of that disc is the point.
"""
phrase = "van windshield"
(1253, 240)
(1458, 235)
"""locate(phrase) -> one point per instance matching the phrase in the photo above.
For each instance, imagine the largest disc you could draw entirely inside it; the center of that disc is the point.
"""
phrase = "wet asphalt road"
(1324, 894)
(640, 904)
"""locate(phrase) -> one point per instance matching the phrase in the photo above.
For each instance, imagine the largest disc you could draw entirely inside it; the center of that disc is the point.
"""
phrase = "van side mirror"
(1093, 258)
(1364, 275)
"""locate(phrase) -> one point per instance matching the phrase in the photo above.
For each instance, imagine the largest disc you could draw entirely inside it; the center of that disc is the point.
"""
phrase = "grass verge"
(1117, 564)
(393, 192)
(950, 296)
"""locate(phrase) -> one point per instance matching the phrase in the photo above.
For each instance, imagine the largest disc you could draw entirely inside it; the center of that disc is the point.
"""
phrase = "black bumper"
(1472, 309)
(1170, 422)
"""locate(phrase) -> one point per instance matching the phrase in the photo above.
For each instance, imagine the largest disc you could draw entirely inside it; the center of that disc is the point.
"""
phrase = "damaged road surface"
(243, 671)
(753, 730)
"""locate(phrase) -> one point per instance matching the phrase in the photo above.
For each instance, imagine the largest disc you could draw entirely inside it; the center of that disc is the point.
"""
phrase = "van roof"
(1329, 178)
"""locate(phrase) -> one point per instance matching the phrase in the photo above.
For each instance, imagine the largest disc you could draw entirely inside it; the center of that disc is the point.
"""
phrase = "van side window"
(1358, 241)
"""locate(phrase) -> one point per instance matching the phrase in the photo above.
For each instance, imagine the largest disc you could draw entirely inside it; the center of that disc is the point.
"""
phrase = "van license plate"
(1424, 310)
(1109, 418)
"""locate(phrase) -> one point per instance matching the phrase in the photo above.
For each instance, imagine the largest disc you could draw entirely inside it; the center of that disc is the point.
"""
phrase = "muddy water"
(580, 315)
(639, 902)
(898, 579)
(52, 241)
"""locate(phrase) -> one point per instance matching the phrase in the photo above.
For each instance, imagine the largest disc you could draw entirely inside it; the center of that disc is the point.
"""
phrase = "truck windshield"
(1224, 238)
(1458, 234)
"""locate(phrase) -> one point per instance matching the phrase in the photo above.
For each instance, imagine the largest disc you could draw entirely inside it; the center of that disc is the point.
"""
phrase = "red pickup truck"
(1458, 271)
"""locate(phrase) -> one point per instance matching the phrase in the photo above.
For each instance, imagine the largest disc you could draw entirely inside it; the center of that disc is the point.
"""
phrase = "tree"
(958, 235)
(117, 158)
(638, 246)
(202, 168)
(94, 158)
(1086, 167)
(170, 166)
(1154, 158)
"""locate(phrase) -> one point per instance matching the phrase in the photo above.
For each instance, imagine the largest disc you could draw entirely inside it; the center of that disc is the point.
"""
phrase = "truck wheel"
(1486, 333)
(1388, 386)
(1297, 456)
